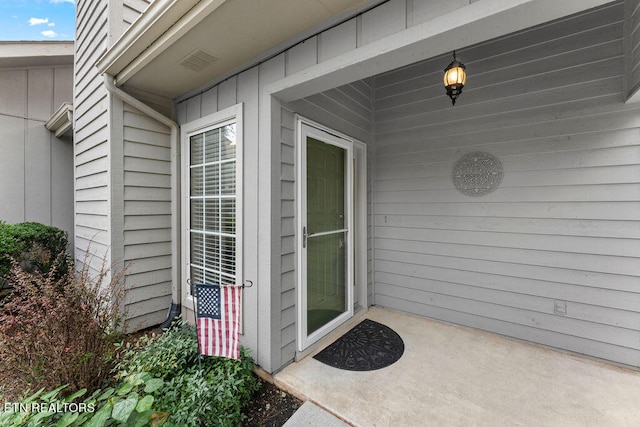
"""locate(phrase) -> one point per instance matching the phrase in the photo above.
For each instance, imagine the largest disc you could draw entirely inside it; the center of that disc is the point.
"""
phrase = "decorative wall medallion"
(477, 174)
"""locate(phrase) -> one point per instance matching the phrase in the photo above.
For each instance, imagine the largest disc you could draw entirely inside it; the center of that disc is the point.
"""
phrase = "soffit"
(172, 58)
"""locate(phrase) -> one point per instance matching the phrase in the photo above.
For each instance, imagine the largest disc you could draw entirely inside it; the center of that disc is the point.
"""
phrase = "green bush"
(34, 246)
(210, 393)
(164, 356)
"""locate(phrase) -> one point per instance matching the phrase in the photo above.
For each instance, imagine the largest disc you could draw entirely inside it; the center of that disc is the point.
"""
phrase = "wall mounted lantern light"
(454, 78)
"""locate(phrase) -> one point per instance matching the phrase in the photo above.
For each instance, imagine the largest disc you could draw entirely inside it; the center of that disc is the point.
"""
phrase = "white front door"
(326, 237)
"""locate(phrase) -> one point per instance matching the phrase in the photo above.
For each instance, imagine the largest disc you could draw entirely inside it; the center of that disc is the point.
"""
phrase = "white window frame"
(228, 115)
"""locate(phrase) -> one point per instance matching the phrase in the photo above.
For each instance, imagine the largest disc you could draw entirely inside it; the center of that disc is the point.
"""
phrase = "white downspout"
(176, 288)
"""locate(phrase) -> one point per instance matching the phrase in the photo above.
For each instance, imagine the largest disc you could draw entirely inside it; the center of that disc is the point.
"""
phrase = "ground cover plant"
(211, 391)
(158, 381)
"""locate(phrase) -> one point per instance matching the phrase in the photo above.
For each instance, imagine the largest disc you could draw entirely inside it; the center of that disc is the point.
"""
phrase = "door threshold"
(318, 346)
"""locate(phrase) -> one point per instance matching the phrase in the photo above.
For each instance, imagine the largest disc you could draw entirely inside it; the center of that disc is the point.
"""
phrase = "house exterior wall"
(351, 106)
(551, 256)
(244, 89)
(272, 336)
(91, 137)
(132, 9)
(147, 220)
(549, 238)
(122, 173)
(347, 109)
(632, 45)
(36, 168)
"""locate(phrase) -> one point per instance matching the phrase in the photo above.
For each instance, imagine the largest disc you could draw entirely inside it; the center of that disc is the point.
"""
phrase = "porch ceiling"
(178, 45)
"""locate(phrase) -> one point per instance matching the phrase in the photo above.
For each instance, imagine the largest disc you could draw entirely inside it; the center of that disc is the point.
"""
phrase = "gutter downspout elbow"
(176, 289)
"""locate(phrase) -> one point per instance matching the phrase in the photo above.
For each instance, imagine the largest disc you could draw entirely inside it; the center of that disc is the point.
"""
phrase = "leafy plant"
(130, 403)
(164, 356)
(60, 327)
(194, 394)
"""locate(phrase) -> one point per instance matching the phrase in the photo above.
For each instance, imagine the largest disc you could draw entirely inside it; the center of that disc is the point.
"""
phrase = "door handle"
(305, 235)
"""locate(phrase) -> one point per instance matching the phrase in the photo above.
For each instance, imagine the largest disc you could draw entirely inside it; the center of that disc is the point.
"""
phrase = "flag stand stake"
(195, 321)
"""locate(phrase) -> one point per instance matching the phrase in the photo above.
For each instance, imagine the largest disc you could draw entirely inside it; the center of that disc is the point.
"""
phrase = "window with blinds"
(212, 205)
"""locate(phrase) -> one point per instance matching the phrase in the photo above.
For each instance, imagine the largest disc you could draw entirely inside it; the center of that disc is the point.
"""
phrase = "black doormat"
(366, 347)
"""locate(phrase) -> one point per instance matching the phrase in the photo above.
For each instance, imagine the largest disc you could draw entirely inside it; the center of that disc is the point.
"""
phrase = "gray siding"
(632, 41)
(132, 9)
(91, 137)
(288, 263)
(243, 89)
(122, 173)
(547, 102)
(146, 217)
(347, 109)
(36, 168)
(562, 227)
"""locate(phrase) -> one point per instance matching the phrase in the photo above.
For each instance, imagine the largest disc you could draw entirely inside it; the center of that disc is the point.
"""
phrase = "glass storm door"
(326, 205)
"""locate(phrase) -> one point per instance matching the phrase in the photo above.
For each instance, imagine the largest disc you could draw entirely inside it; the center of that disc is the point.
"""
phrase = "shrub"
(164, 356)
(60, 328)
(35, 246)
(212, 393)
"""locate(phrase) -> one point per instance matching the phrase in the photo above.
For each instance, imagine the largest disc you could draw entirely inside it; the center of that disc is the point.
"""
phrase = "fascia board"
(36, 49)
(151, 24)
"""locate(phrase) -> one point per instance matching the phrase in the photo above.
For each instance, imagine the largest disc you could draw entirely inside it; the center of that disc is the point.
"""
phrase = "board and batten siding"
(243, 88)
(36, 168)
(553, 255)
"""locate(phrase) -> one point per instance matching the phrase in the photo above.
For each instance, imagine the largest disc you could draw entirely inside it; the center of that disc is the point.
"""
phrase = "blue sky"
(37, 20)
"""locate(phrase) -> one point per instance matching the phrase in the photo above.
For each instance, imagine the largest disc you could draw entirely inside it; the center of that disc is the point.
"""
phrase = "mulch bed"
(270, 407)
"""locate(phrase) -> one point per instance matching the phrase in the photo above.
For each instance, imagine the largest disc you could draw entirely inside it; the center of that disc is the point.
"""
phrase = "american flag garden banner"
(218, 320)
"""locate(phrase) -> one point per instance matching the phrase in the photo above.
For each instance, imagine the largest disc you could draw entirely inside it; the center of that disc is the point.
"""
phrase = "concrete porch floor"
(454, 376)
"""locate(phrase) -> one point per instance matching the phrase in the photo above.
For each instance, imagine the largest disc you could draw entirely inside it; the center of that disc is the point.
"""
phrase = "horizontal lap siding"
(132, 9)
(107, 185)
(91, 137)
(562, 228)
(288, 263)
(147, 218)
(633, 44)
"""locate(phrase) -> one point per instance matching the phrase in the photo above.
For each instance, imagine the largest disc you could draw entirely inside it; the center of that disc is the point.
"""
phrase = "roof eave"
(163, 23)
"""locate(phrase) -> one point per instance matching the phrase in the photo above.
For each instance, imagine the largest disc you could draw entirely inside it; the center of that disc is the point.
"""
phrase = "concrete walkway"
(453, 376)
